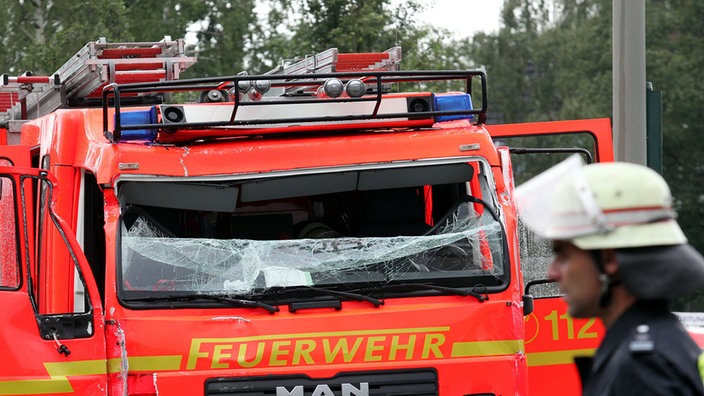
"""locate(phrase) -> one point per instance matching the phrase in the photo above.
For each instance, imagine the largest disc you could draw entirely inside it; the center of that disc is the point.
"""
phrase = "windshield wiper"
(240, 302)
(352, 296)
(451, 290)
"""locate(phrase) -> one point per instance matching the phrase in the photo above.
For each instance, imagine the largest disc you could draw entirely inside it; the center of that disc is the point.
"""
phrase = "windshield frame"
(486, 283)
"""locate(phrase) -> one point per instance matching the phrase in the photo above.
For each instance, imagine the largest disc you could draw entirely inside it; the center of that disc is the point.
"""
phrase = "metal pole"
(654, 122)
(629, 116)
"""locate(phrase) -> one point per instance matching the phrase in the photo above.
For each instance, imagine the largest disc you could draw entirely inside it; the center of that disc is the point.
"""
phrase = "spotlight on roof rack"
(355, 88)
(332, 88)
(262, 86)
(243, 85)
(172, 114)
(259, 88)
(213, 95)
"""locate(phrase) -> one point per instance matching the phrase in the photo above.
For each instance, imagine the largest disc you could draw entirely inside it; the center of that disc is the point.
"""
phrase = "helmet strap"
(605, 295)
(606, 281)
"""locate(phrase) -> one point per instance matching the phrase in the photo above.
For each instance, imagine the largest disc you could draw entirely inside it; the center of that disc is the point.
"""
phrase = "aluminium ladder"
(80, 81)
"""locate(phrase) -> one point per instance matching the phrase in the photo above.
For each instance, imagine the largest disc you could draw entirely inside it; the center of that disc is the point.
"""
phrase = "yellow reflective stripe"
(114, 365)
(59, 372)
(81, 367)
(557, 357)
(147, 363)
(35, 387)
(57, 381)
(701, 366)
(486, 348)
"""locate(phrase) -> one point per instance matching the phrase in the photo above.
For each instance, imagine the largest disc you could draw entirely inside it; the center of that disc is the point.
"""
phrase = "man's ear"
(608, 257)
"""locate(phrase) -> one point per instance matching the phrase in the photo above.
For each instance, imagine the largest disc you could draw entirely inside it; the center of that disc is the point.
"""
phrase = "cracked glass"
(335, 230)
(9, 265)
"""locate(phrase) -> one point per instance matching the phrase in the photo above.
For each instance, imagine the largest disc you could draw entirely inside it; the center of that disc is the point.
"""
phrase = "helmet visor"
(558, 203)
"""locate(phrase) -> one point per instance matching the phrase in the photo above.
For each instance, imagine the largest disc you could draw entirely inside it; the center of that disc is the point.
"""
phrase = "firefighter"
(620, 255)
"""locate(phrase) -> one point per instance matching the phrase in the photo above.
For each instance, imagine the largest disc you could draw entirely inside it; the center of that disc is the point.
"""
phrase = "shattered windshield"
(346, 235)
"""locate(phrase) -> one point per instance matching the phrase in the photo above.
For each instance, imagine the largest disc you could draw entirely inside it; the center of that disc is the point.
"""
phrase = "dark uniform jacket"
(647, 351)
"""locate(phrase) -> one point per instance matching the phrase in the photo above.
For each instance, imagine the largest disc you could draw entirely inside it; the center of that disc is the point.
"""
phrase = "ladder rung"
(118, 53)
(362, 61)
(139, 76)
(8, 100)
(128, 78)
(7, 96)
(120, 66)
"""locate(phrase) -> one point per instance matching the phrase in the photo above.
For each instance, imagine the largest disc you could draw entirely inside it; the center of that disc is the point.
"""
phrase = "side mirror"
(528, 297)
(527, 304)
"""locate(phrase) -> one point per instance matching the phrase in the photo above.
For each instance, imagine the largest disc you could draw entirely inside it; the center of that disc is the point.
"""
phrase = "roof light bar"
(453, 102)
(139, 117)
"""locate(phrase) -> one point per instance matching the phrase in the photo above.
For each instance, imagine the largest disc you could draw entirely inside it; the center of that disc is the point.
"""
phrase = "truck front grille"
(423, 382)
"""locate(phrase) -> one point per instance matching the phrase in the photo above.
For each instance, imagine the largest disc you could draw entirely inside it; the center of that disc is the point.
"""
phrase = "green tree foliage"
(306, 26)
(674, 56)
(551, 60)
(151, 20)
(39, 34)
(225, 38)
(229, 35)
(300, 27)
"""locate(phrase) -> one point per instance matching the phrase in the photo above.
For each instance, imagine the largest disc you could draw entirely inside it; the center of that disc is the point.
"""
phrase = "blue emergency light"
(138, 117)
(453, 102)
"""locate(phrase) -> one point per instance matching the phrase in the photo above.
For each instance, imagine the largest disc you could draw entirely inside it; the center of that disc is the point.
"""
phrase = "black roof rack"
(232, 90)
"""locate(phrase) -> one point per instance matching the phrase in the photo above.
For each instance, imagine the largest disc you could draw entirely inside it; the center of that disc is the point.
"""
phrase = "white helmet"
(600, 206)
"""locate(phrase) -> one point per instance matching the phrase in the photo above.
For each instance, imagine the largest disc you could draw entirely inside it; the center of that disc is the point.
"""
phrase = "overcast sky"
(465, 17)
(455, 15)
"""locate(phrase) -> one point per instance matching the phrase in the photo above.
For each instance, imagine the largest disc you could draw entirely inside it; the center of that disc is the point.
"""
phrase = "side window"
(9, 262)
(55, 270)
(93, 231)
(531, 155)
(58, 285)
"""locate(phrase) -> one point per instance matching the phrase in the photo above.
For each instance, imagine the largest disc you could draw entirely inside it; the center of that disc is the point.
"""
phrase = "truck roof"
(250, 154)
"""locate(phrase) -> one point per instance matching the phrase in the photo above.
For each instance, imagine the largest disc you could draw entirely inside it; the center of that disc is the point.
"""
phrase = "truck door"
(553, 338)
(42, 352)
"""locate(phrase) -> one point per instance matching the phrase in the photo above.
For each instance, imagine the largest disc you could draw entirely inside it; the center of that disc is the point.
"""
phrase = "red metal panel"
(127, 52)
(359, 61)
(600, 128)
(32, 364)
(553, 339)
(7, 100)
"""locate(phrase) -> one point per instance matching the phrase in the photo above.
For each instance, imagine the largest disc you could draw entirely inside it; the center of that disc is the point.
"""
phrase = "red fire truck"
(335, 226)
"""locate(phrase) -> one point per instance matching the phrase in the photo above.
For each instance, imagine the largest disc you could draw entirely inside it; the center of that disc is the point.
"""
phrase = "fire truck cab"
(335, 226)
